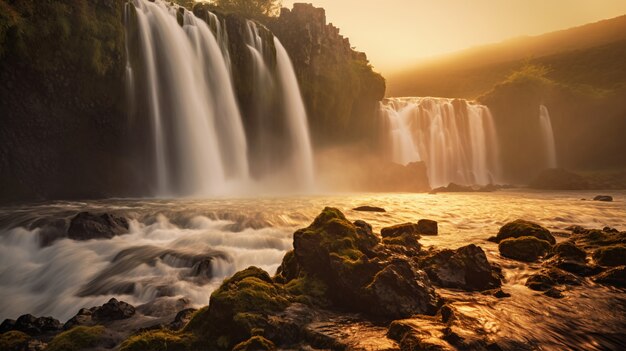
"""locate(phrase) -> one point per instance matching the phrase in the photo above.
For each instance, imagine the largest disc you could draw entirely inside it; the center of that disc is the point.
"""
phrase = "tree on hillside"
(250, 8)
(185, 3)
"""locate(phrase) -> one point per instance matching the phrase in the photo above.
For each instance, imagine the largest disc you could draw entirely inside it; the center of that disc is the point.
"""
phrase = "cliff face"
(63, 121)
(340, 90)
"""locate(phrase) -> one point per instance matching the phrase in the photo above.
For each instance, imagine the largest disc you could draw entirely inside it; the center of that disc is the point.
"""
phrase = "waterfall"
(455, 138)
(179, 70)
(548, 136)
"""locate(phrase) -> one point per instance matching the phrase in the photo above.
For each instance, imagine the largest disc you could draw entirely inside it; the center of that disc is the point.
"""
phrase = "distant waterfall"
(548, 136)
(456, 139)
(181, 71)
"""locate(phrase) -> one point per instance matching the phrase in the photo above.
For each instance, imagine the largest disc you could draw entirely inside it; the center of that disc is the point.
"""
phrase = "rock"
(554, 293)
(457, 188)
(113, 310)
(576, 267)
(238, 308)
(83, 317)
(182, 318)
(569, 250)
(559, 179)
(464, 268)
(419, 334)
(31, 325)
(87, 226)
(614, 276)
(548, 278)
(400, 290)
(400, 229)
(369, 209)
(520, 227)
(82, 338)
(610, 256)
(19, 341)
(255, 343)
(606, 198)
(427, 227)
(525, 248)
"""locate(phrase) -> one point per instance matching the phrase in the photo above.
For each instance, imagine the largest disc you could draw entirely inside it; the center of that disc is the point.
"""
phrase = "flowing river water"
(169, 239)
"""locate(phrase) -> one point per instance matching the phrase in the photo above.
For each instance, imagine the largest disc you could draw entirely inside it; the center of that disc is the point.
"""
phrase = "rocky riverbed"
(344, 286)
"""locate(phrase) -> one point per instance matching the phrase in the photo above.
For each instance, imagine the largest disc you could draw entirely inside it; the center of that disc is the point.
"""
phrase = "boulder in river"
(606, 198)
(615, 276)
(31, 325)
(87, 226)
(464, 268)
(614, 255)
(525, 248)
(427, 227)
(519, 228)
(369, 209)
(399, 230)
(113, 310)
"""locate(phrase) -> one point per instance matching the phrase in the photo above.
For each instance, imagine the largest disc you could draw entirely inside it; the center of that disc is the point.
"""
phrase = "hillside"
(589, 55)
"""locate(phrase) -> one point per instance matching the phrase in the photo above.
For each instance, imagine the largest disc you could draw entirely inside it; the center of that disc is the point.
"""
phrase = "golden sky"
(397, 33)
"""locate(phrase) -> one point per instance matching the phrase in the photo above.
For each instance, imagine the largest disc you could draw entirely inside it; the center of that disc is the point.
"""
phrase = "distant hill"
(591, 55)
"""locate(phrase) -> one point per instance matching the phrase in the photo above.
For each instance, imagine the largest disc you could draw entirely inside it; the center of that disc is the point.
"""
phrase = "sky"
(398, 33)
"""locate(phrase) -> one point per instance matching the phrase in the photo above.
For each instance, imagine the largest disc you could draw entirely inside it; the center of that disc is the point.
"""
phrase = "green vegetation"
(255, 343)
(158, 340)
(257, 9)
(13, 340)
(76, 339)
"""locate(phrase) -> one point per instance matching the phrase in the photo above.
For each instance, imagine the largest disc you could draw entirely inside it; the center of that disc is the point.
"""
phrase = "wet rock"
(83, 317)
(399, 230)
(525, 248)
(427, 227)
(182, 318)
(520, 227)
(400, 290)
(87, 226)
(255, 343)
(363, 228)
(610, 256)
(614, 276)
(31, 325)
(498, 293)
(369, 209)
(347, 332)
(554, 293)
(549, 278)
(606, 198)
(569, 250)
(113, 310)
(576, 267)
(419, 334)
(464, 268)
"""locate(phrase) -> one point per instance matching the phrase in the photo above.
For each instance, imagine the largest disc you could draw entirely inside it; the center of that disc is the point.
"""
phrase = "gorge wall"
(66, 125)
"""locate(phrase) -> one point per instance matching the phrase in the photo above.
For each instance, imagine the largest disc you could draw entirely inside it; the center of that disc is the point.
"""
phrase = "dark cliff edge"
(65, 127)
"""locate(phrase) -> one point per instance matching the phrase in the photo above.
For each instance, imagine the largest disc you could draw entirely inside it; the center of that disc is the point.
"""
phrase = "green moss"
(255, 343)
(13, 340)
(520, 227)
(158, 340)
(309, 290)
(77, 338)
(525, 248)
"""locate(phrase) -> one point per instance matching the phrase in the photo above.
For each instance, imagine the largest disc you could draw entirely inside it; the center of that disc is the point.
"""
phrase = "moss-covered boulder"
(614, 255)
(159, 340)
(14, 341)
(520, 227)
(569, 250)
(427, 227)
(464, 268)
(255, 343)
(525, 248)
(238, 309)
(80, 338)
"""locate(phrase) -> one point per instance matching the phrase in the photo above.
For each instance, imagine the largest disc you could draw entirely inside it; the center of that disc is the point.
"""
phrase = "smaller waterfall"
(548, 136)
(456, 139)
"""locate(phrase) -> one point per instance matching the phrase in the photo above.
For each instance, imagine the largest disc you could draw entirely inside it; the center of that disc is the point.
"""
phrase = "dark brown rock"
(427, 227)
(369, 209)
(87, 226)
(525, 248)
(520, 227)
(400, 229)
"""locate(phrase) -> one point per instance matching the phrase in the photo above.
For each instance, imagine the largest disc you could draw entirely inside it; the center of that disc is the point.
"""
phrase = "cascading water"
(180, 69)
(548, 136)
(456, 139)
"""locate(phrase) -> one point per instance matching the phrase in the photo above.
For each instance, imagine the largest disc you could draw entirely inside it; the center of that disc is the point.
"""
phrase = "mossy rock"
(525, 248)
(569, 250)
(14, 341)
(158, 340)
(611, 256)
(255, 343)
(520, 228)
(400, 230)
(238, 309)
(77, 338)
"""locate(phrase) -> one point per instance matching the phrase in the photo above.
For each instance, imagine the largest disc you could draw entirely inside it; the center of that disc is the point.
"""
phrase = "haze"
(398, 33)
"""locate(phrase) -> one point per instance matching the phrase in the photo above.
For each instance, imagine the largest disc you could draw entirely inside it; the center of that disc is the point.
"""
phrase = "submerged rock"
(525, 248)
(87, 226)
(520, 227)
(369, 209)
(606, 198)
(464, 268)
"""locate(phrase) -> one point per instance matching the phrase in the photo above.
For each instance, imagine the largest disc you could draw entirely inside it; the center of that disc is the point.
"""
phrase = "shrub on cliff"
(250, 8)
